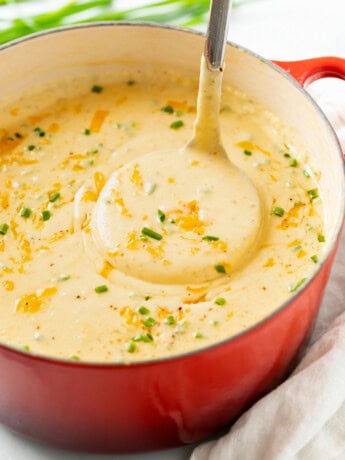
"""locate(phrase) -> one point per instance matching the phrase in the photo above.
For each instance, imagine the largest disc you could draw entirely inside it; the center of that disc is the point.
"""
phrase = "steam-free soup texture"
(105, 256)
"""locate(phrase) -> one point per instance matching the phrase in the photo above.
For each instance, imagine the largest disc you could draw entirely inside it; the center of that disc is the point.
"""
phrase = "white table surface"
(276, 29)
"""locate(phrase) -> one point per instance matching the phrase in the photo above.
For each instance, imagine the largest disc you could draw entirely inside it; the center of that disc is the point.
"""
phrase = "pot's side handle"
(309, 70)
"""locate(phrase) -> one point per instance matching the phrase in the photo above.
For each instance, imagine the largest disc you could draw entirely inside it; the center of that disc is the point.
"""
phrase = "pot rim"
(275, 312)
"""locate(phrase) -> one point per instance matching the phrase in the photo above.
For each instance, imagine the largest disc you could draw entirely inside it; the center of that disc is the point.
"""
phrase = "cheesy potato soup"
(119, 245)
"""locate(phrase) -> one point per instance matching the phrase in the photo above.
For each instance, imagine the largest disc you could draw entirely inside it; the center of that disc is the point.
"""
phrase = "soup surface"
(109, 255)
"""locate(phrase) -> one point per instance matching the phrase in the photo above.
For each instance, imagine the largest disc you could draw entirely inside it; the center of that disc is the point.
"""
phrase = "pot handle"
(309, 70)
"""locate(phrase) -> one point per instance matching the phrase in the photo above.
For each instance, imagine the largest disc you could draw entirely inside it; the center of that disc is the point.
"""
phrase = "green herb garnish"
(170, 320)
(4, 229)
(161, 215)
(97, 89)
(210, 238)
(131, 347)
(167, 109)
(149, 322)
(131, 82)
(151, 233)
(31, 147)
(278, 211)
(143, 237)
(220, 301)
(74, 357)
(143, 311)
(321, 238)
(54, 197)
(315, 259)
(297, 285)
(101, 289)
(26, 347)
(87, 132)
(46, 215)
(287, 155)
(198, 335)
(176, 124)
(26, 212)
(143, 338)
(313, 193)
(39, 132)
(220, 268)
(294, 163)
(306, 174)
(248, 153)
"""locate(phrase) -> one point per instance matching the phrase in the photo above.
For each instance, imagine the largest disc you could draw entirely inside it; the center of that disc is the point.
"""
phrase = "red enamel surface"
(153, 406)
(309, 70)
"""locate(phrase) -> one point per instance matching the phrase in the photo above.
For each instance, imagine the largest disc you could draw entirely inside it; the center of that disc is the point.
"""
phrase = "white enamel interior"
(103, 47)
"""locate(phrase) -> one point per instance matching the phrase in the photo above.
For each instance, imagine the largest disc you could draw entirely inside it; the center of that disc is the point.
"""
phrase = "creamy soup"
(111, 250)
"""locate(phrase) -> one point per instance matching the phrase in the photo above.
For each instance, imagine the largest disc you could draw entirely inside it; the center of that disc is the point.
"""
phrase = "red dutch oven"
(169, 402)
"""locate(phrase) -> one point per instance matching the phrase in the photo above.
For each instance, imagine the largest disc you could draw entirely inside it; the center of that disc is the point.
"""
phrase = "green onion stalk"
(186, 13)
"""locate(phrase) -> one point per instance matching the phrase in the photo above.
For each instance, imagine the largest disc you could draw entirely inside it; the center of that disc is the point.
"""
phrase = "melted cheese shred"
(111, 253)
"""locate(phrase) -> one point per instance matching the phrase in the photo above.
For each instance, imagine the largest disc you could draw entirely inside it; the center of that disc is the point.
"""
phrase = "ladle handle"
(217, 32)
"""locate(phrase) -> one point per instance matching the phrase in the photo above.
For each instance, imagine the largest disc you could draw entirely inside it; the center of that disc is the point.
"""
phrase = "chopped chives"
(306, 174)
(161, 215)
(97, 89)
(75, 357)
(26, 347)
(31, 147)
(167, 109)
(101, 289)
(149, 322)
(87, 132)
(220, 268)
(143, 338)
(170, 320)
(248, 153)
(131, 347)
(143, 237)
(144, 311)
(220, 301)
(4, 228)
(198, 335)
(26, 212)
(210, 238)
(313, 193)
(54, 197)
(315, 259)
(287, 155)
(147, 297)
(293, 163)
(176, 124)
(297, 285)
(321, 238)
(151, 233)
(277, 211)
(46, 215)
(39, 132)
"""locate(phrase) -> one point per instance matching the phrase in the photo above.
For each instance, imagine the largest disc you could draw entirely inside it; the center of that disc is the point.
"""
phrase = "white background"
(276, 29)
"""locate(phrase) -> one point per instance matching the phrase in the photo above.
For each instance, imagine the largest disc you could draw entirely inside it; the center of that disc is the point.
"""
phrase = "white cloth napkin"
(304, 418)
